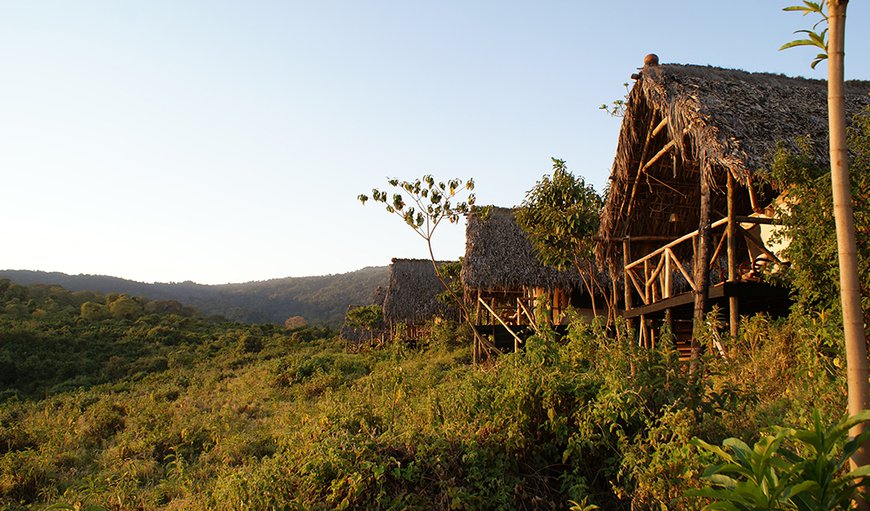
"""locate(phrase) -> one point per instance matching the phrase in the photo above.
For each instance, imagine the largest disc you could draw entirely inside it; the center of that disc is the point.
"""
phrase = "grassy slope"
(253, 418)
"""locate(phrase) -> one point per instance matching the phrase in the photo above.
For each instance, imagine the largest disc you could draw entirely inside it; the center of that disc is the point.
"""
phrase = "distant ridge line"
(321, 299)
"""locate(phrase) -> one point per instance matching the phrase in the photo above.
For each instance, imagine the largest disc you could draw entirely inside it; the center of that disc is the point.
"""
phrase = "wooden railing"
(652, 276)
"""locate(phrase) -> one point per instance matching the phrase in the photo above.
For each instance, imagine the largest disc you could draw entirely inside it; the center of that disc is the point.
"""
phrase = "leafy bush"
(808, 475)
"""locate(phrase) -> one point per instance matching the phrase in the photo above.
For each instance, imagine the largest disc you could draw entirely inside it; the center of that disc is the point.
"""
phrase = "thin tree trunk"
(588, 289)
(850, 295)
(460, 302)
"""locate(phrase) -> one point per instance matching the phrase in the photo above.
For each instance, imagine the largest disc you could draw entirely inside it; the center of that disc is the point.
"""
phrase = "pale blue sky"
(225, 141)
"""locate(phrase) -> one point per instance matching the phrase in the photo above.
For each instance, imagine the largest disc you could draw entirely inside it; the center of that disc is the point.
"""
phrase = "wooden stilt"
(702, 263)
(626, 260)
(733, 305)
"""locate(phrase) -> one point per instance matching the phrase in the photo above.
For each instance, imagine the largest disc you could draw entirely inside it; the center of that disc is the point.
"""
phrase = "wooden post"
(668, 289)
(733, 306)
(492, 319)
(475, 353)
(643, 338)
(626, 260)
(702, 263)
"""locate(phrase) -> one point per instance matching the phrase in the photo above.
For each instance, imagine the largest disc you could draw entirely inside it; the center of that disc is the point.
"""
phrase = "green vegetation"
(165, 411)
(808, 217)
(561, 215)
(791, 469)
(319, 300)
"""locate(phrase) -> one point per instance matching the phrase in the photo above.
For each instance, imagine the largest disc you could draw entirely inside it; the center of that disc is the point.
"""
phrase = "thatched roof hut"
(682, 120)
(411, 292)
(499, 256)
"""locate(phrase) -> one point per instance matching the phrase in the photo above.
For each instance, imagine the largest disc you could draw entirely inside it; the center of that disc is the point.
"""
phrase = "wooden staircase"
(683, 337)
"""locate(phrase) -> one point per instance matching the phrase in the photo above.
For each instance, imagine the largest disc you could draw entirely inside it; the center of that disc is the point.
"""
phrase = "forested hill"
(320, 300)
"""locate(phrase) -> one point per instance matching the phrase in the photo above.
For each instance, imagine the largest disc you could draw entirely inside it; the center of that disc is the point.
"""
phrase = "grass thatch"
(411, 292)
(500, 257)
(721, 120)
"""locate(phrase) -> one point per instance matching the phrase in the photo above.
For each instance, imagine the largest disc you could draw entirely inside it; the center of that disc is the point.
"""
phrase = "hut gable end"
(412, 292)
(684, 122)
(499, 256)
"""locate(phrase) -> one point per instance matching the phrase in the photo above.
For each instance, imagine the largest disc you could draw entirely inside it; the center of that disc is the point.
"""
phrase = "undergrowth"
(246, 418)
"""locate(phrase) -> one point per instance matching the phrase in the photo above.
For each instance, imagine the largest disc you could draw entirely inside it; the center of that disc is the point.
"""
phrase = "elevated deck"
(754, 297)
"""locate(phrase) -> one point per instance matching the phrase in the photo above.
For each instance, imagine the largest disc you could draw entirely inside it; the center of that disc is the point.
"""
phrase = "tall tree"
(850, 295)
(561, 215)
(423, 204)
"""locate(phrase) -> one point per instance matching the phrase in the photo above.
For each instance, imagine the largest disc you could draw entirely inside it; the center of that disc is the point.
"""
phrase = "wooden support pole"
(644, 333)
(646, 283)
(475, 354)
(731, 232)
(668, 288)
(626, 258)
(702, 263)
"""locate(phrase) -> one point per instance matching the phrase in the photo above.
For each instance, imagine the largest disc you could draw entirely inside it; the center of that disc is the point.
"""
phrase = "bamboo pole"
(850, 295)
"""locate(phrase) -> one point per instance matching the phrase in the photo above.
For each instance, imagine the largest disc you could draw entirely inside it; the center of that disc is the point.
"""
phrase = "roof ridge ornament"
(650, 60)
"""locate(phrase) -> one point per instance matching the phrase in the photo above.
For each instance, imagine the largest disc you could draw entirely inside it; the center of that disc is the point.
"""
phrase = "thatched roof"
(721, 120)
(411, 292)
(500, 257)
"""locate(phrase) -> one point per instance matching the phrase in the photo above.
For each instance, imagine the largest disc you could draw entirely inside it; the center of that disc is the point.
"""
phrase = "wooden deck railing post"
(668, 288)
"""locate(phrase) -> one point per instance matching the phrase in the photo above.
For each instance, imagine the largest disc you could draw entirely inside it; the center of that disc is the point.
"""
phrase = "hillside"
(320, 300)
(117, 403)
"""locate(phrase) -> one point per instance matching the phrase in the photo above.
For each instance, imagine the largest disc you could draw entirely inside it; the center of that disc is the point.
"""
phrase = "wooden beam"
(633, 238)
(756, 220)
(660, 126)
(649, 137)
(656, 157)
(658, 270)
(753, 197)
(686, 275)
(760, 244)
(516, 337)
(637, 286)
(528, 315)
(718, 249)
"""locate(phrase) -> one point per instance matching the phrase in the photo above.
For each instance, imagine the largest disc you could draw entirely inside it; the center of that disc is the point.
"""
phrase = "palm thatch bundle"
(718, 121)
(412, 292)
(499, 256)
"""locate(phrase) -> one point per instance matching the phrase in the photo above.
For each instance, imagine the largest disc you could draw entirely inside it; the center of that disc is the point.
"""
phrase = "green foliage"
(321, 300)
(770, 475)
(450, 271)
(807, 216)
(424, 203)
(171, 412)
(813, 38)
(561, 214)
(368, 317)
(617, 106)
